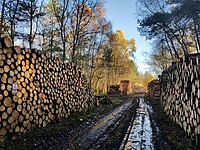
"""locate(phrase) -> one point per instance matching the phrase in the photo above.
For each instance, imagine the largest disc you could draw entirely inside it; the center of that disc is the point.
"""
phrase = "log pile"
(124, 87)
(180, 93)
(114, 90)
(154, 89)
(36, 89)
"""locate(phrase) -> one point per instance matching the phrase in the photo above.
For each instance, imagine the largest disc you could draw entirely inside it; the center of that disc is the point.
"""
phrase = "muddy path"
(140, 134)
(137, 123)
(132, 125)
(97, 135)
(129, 126)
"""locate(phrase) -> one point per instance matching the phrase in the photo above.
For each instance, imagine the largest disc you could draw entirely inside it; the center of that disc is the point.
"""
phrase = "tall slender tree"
(12, 10)
(30, 13)
(2, 17)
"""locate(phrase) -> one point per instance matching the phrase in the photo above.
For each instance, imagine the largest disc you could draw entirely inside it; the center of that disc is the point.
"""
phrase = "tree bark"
(197, 37)
(31, 26)
(12, 24)
(2, 17)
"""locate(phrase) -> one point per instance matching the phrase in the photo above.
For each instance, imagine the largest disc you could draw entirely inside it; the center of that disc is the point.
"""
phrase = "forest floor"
(136, 122)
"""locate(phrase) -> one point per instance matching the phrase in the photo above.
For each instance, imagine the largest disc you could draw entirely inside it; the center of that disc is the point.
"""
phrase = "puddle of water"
(140, 135)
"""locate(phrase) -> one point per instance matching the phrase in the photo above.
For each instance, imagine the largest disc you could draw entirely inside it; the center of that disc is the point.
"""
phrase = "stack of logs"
(180, 93)
(154, 89)
(45, 89)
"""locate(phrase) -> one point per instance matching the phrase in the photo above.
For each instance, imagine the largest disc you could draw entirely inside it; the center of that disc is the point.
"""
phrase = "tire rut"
(99, 132)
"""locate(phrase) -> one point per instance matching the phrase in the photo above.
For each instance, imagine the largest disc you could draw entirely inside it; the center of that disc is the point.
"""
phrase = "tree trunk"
(197, 37)
(170, 50)
(31, 26)
(2, 17)
(12, 24)
(52, 36)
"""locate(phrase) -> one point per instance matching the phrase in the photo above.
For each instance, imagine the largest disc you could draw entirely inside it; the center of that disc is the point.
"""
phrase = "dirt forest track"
(96, 136)
(132, 125)
(129, 126)
(138, 123)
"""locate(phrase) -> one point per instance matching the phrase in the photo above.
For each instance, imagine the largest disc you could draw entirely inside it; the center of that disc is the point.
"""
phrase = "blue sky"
(122, 14)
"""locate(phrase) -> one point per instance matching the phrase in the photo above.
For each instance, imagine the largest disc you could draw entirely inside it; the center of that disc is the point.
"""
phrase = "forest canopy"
(76, 30)
(173, 26)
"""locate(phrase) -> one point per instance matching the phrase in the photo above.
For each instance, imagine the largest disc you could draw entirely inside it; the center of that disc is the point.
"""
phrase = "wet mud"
(138, 123)
(131, 126)
(140, 134)
(100, 132)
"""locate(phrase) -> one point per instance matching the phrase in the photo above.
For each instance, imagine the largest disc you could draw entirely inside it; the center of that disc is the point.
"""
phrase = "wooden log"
(19, 108)
(17, 49)
(6, 42)
(1, 63)
(3, 131)
(3, 57)
(10, 119)
(21, 118)
(1, 70)
(10, 80)
(7, 101)
(17, 129)
(11, 73)
(9, 110)
(8, 55)
(2, 108)
(6, 68)
(13, 125)
(5, 123)
(4, 115)
(3, 87)
(19, 94)
(5, 93)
